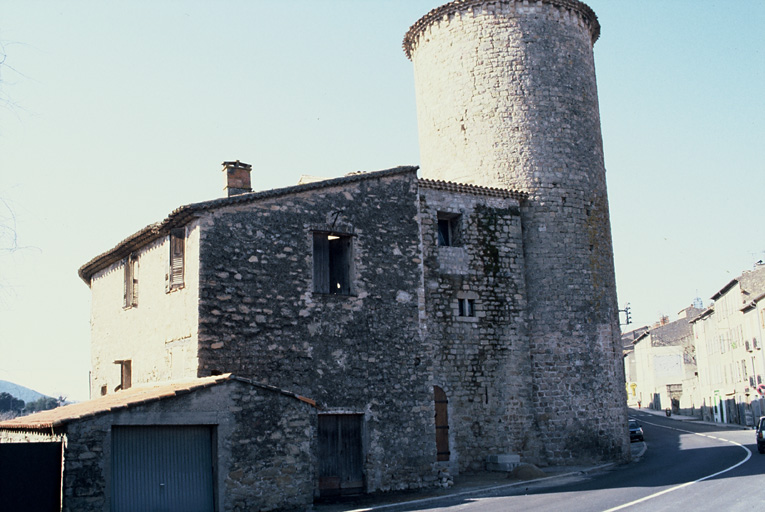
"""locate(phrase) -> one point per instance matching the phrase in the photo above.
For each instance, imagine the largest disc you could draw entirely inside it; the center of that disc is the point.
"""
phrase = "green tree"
(41, 404)
(9, 403)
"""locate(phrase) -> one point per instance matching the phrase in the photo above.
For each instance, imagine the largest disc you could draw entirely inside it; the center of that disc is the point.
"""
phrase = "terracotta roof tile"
(138, 395)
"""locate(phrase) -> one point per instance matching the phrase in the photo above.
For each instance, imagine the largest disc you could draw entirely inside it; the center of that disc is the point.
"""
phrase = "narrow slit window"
(332, 260)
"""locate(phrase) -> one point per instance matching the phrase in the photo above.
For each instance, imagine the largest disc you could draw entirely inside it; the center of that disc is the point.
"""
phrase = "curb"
(480, 490)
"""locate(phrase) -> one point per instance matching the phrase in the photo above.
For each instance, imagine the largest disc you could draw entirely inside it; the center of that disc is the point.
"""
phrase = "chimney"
(237, 178)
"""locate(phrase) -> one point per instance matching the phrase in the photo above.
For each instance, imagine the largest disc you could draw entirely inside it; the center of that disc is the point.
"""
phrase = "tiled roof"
(180, 216)
(463, 188)
(122, 400)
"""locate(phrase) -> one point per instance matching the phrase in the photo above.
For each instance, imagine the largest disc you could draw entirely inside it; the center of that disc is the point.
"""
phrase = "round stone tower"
(506, 97)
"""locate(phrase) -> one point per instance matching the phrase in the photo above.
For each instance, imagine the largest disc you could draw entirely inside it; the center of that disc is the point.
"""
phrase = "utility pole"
(627, 314)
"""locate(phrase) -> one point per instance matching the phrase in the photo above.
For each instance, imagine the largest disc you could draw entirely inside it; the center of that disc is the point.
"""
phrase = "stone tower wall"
(481, 362)
(506, 97)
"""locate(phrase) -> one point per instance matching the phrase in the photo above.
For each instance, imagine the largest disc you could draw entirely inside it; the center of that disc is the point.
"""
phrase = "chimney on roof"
(237, 178)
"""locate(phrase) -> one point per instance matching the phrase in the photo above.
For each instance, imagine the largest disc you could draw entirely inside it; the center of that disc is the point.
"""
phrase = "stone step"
(502, 462)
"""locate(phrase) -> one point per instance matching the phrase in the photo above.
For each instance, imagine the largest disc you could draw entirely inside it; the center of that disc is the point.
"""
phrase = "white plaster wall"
(159, 335)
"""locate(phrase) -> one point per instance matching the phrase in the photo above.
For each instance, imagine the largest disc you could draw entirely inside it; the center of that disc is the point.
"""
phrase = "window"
(174, 279)
(466, 307)
(448, 229)
(442, 424)
(332, 260)
(126, 374)
(130, 288)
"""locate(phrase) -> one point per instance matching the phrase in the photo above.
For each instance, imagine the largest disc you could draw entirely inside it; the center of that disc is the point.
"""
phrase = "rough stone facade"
(506, 97)
(263, 439)
(260, 317)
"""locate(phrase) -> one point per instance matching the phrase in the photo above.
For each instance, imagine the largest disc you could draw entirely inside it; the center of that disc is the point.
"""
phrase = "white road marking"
(665, 491)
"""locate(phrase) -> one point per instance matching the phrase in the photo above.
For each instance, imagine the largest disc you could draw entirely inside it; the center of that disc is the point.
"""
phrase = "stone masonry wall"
(506, 97)
(481, 362)
(264, 443)
(360, 353)
(159, 334)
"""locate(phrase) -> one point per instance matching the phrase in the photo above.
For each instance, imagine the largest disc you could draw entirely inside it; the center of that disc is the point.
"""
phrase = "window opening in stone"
(176, 263)
(466, 307)
(130, 288)
(332, 263)
(448, 229)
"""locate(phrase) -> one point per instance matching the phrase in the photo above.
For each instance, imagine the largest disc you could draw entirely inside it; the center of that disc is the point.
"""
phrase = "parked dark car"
(760, 433)
(636, 431)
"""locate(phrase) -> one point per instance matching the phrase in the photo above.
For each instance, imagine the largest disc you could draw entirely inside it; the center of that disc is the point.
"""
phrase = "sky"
(112, 114)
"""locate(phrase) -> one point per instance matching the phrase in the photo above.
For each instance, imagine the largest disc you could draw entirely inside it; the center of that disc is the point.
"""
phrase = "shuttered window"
(332, 263)
(126, 374)
(177, 253)
(130, 288)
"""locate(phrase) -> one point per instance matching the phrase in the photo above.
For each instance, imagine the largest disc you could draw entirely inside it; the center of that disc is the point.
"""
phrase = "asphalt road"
(687, 466)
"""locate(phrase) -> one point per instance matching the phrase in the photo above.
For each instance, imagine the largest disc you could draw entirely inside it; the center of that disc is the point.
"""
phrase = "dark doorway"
(341, 462)
(442, 424)
(30, 476)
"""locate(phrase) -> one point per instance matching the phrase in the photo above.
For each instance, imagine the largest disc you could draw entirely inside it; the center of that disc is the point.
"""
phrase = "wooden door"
(442, 424)
(341, 462)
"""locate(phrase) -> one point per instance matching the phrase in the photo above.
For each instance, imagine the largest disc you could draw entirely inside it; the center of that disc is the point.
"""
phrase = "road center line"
(665, 491)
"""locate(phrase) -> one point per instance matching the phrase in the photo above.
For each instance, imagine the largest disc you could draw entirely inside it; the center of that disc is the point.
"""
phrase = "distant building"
(630, 367)
(665, 365)
(728, 336)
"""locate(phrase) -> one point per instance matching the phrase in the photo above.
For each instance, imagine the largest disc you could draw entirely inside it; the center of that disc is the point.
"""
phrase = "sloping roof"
(122, 400)
(182, 215)
(725, 289)
(463, 188)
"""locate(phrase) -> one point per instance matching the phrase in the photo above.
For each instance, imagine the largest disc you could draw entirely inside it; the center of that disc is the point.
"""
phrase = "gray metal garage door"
(162, 469)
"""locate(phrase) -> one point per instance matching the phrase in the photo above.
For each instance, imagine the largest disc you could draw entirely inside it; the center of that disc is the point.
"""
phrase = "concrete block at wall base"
(502, 462)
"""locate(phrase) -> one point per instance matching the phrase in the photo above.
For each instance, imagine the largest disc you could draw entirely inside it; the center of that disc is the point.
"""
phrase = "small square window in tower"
(466, 307)
(332, 261)
(448, 229)
(177, 251)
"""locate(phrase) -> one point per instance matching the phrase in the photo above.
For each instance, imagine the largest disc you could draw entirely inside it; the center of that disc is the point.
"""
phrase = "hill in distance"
(20, 392)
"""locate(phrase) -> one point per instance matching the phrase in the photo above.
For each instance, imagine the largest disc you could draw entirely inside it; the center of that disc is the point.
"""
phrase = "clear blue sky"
(115, 113)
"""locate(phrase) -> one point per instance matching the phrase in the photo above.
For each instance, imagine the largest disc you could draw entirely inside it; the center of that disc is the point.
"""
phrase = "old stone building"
(435, 321)
(665, 366)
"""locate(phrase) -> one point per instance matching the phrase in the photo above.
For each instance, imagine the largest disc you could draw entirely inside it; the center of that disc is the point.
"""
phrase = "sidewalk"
(695, 419)
(465, 485)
